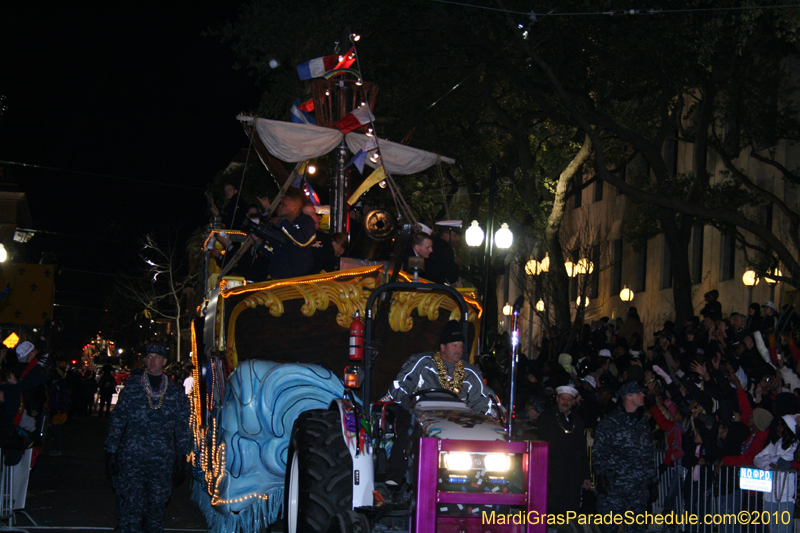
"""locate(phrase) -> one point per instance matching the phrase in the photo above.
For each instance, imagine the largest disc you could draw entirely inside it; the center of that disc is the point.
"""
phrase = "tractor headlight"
(497, 462)
(458, 461)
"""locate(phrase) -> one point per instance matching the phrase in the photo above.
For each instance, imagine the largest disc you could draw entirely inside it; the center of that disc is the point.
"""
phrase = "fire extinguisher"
(357, 338)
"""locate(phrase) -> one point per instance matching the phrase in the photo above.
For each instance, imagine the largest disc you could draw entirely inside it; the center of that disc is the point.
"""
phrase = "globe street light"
(504, 238)
(585, 266)
(532, 267)
(772, 282)
(750, 279)
(626, 295)
(474, 234)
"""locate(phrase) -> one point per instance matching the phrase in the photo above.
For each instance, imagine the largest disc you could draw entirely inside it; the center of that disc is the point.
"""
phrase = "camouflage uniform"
(146, 441)
(623, 454)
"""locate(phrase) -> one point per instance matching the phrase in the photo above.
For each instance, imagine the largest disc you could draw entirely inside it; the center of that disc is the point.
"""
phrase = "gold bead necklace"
(449, 383)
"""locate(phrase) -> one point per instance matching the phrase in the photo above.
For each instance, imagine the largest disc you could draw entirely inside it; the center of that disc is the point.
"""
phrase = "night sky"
(134, 107)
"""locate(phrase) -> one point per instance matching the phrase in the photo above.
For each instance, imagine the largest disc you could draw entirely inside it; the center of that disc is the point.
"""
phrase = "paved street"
(71, 493)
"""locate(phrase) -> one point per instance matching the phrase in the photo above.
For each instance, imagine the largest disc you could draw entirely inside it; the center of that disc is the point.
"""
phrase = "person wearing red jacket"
(758, 421)
(673, 429)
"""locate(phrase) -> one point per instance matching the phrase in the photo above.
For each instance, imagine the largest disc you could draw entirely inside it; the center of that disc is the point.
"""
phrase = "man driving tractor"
(444, 370)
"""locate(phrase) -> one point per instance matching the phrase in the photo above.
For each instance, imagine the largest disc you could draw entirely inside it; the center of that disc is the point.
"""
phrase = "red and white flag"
(316, 68)
(355, 119)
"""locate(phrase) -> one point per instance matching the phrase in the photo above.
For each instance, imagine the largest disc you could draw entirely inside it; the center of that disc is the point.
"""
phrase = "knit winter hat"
(762, 418)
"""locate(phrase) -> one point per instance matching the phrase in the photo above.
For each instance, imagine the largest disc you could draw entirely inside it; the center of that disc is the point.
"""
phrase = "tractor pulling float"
(278, 433)
(289, 413)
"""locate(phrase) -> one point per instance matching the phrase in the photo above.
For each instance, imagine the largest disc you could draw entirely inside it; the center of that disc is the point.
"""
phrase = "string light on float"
(312, 169)
(382, 184)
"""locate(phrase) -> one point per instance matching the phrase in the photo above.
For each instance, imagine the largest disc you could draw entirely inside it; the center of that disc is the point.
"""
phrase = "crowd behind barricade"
(712, 395)
(38, 395)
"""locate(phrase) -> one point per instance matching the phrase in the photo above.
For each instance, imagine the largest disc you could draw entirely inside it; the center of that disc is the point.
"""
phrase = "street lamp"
(540, 306)
(532, 267)
(582, 300)
(3, 253)
(474, 234)
(504, 238)
(626, 295)
(507, 309)
(772, 282)
(584, 266)
(750, 279)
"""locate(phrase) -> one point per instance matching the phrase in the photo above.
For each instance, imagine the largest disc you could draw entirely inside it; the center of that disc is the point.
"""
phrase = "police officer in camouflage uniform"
(623, 458)
(148, 439)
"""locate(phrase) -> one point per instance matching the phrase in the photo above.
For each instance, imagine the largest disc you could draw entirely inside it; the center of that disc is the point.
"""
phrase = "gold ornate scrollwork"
(267, 299)
(349, 296)
(428, 305)
(349, 291)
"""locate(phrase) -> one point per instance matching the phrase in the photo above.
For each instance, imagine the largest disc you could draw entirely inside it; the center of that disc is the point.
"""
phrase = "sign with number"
(755, 479)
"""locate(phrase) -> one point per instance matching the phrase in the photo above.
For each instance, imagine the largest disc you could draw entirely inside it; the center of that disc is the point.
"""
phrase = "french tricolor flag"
(355, 119)
(316, 68)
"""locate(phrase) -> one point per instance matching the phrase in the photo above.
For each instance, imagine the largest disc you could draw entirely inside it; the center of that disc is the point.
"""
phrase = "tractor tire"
(350, 522)
(318, 473)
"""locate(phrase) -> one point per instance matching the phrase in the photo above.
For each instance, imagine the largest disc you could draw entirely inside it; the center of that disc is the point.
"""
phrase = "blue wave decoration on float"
(262, 401)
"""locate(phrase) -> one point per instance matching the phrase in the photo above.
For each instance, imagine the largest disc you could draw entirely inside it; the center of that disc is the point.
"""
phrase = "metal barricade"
(12, 494)
(702, 491)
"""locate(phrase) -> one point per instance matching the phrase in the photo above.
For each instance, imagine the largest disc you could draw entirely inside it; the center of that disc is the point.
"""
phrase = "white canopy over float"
(292, 143)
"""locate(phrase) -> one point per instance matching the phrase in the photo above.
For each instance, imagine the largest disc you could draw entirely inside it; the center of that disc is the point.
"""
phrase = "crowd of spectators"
(39, 395)
(720, 391)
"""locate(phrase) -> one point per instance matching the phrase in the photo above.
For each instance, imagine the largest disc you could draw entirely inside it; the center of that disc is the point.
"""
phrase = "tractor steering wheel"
(421, 395)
